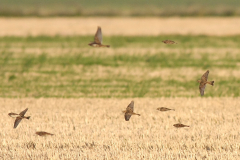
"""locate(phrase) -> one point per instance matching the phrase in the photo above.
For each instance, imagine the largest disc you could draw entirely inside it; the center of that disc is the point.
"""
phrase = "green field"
(132, 67)
(119, 8)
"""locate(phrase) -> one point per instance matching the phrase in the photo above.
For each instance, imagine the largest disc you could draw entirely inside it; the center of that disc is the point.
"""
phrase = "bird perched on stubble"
(179, 125)
(98, 39)
(169, 42)
(42, 133)
(129, 111)
(162, 109)
(203, 82)
(18, 117)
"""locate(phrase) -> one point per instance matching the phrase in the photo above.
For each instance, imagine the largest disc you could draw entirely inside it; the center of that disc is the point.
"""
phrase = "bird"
(169, 42)
(129, 111)
(164, 109)
(42, 133)
(18, 117)
(203, 82)
(98, 39)
(179, 125)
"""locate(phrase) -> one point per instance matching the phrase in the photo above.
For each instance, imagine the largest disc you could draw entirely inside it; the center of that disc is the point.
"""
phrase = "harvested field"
(95, 129)
(119, 26)
(78, 93)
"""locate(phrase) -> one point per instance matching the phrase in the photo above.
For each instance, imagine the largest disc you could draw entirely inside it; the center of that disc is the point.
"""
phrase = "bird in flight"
(98, 39)
(129, 111)
(179, 125)
(162, 109)
(203, 82)
(169, 42)
(18, 117)
(42, 133)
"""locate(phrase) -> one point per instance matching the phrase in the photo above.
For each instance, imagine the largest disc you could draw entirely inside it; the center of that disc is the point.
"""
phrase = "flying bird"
(203, 82)
(18, 117)
(42, 133)
(129, 111)
(169, 42)
(98, 39)
(179, 125)
(162, 109)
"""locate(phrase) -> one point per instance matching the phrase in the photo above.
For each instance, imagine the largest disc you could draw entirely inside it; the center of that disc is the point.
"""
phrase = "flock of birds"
(130, 108)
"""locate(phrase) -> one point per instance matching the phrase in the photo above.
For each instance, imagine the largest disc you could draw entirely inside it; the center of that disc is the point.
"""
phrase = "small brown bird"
(203, 82)
(164, 109)
(98, 39)
(179, 125)
(42, 133)
(129, 111)
(169, 42)
(18, 117)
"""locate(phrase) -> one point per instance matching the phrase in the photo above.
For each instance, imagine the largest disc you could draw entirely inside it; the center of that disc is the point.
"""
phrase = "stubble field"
(78, 93)
(95, 129)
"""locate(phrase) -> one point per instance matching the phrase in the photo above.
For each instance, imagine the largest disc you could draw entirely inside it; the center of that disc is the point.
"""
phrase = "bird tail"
(211, 83)
(136, 114)
(28, 117)
(106, 46)
(90, 43)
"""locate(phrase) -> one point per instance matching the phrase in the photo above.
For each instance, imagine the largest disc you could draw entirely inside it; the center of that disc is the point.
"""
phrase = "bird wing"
(98, 36)
(130, 107)
(41, 133)
(23, 112)
(48, 133)
(17, 121)
(127, 116)
(202, 87)
(205, 76)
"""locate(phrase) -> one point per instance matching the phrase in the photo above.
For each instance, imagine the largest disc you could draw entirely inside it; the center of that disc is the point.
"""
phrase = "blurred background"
(119, 8)
(44, 49)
